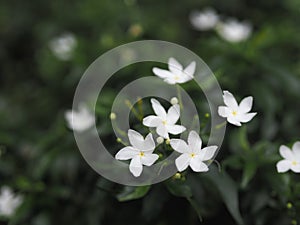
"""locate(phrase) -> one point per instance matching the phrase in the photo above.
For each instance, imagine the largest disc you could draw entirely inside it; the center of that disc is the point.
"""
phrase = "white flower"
(176, 73)
(9, 202)
(291, 159)
(234, 31)
(163, 121)
(236, 114)
(81, 120)
(140, 152)
(174, 101)
(63, 46)
(204, 20)
(192, 154)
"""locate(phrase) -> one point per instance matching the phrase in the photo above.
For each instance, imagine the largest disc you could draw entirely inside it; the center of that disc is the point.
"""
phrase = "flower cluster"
(141, 151)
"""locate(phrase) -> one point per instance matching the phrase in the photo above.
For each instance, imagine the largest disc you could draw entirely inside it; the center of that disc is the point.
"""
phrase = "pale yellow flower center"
(234, 113)
(294, 163)
(164, 122)
(176, 77)
(142, 154)
(192, 155)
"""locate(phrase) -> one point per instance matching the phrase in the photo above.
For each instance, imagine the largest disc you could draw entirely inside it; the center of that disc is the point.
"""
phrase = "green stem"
(219, 126)
(179, 96)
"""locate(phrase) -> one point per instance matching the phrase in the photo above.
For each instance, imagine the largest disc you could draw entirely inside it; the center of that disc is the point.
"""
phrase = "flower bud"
(112, 116)
(177, 176)
(174, 101)
(159, 140)
(168, 141)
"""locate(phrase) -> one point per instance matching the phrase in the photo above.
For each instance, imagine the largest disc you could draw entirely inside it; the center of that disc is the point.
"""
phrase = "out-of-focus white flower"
(9, 202)
(176, 74)
(174, 101)
(80, 120)
(234, 31)
(234, 112)
(163, 121)
(291, 159)
(192, 153)
(140, 152)
(63, 46)
(204, 20)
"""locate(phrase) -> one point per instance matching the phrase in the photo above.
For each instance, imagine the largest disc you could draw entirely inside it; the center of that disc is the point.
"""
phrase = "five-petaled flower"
(234, 112)
(9, 202)
(192, 153)
(176, 74)
(140, 152)
(164, 121)
(291, 159)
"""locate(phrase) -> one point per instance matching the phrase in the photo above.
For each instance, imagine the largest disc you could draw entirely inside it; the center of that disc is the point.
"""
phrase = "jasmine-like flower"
(140, 152)
(164, 122)
(9, 202)
(291, 159)
(176, 74)
(81, 120)
(63, 46)
(204, 20)
(236, 114)
(234, 31)
(192, 153)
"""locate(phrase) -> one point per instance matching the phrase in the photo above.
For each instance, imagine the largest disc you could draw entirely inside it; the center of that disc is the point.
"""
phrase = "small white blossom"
(163, 121)
(63, 46)
(234, 112)
(9, 202)
(204, 20)
(174, 101)
(140, 152)
(192, 153)
(176, 74)
(234, 31)
(291, 159)
(80, 120)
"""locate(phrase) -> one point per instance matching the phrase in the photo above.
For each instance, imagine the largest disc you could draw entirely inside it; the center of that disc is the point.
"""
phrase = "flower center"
(164, 122)
(176, 77)
(234, 113)
(294, 163)
(192, 155)
(142, 154)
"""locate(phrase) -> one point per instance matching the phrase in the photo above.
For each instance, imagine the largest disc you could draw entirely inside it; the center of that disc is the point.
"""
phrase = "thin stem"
(135, 113)
(219, 126)
(179, 96)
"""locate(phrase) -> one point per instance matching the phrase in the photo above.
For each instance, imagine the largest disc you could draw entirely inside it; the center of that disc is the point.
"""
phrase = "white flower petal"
(136, 139)
(233, 120)
(246, 105)
(162, 131)
(174, 66)
(283, 166)
(136, 166)
(208, 152)
(194, 140)
(224, 111)
(182, 162)
(158, 109)
(296, 149)
(173, 114)
(197, 165)
(179, 145)
(229, 100)
(149, 144)
(152, 121)
(161, 73)
(244, 118)
(126, 153)
(295, 168)
(175, 129)
(286, 153)
(149, 159)
(190, 70)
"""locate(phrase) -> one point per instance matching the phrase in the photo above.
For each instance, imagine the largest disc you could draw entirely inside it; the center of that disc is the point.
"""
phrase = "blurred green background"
(39, 157)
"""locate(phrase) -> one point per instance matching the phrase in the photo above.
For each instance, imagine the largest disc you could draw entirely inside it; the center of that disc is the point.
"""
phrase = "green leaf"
(179, 188)
(249, 171)
(228, 191)
(131, 193)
